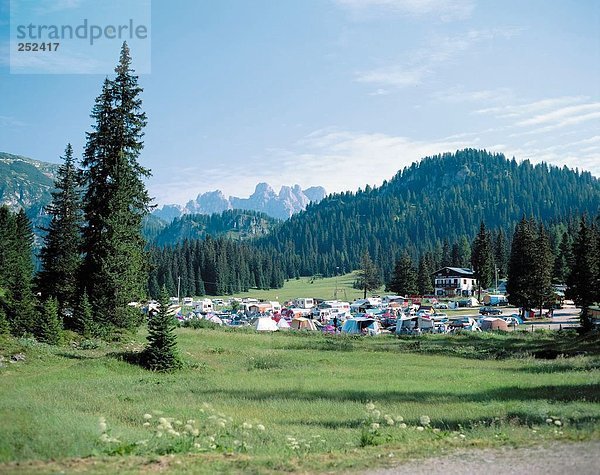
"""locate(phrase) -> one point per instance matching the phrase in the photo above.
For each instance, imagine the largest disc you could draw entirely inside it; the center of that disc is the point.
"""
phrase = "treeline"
(430, 205)
(213, 267)
(235, 224)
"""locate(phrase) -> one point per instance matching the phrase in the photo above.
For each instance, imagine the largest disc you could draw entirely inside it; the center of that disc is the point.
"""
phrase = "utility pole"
(336, 282)
(178, 289)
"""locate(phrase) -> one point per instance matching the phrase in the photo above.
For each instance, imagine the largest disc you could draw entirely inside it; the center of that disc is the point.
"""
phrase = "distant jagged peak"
(282, 205)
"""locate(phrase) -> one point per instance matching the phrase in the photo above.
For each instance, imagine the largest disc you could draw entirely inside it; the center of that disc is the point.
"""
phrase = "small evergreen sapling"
(49, 327)
(161, 352)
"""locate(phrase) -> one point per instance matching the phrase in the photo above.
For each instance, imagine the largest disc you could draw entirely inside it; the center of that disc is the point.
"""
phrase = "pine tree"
(482, 259)
(61, 254)
(83, 317)
(542, 291)
(115, 267)
(49, 326)
(425, 283)
(582, 283)
(404, 279)
(22, 309)
(522, 255)
(161, 352)
(564, 259)
(369, 277)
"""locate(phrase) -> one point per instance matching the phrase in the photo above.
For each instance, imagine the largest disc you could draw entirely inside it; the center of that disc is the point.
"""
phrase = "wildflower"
(141, 442)
(388, 420)
(399, 419)
(188, 428)
(221, 424)
(246, 425)
(102, 426)
(104, 438)
(146, 424)
(375, 426)
(191, 422)
(260, 427)
(424, 420)
(462, 436)
(147, 416)
(376, 414)
(370, 406)
(420, 428)
(197, 445)
(402, 426)
(237, 443)
(195, 432)
(548, 421)
(557, 423)
(178, 423)
(436, 430)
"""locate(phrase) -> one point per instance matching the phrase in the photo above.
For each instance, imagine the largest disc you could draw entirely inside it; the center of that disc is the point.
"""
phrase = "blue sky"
(338, 93)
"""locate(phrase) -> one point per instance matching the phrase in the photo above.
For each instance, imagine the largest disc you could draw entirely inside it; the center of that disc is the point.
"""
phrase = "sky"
(336, 93)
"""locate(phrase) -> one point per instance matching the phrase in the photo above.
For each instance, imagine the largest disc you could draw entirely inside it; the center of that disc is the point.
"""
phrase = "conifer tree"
(369, 277)
(564, 259)
(49, 325)
(83, 317)
(22, 309)
(115, 267)
(582, 283)
(542, 291)
(404, 279)
(522, 255)
(482, 259)
(425, 283)
(61, 254)
(161, 353)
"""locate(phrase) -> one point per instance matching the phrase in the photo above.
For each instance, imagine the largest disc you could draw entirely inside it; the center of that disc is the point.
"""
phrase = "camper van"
(204, 306)
(304, 302)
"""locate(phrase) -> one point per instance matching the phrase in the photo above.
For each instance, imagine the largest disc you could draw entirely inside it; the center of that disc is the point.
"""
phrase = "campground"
(293, 401)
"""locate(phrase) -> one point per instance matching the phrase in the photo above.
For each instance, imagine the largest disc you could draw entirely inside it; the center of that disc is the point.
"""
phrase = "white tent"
(214, 319)
(265, 324)
(283, 324)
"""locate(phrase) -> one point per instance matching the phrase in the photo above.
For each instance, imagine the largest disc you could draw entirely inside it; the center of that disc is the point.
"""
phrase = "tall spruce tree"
(369, 277)
(583, 282)
(482, 259)
(522, 255)
(115, 265)
(564, 259)
(424, 280)
(161, 352)
(542, 292)
(501, 252)
(404, 279)
(60, 255)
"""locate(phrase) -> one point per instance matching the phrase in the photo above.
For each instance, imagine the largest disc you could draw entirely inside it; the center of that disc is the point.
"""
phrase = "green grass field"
(307, 391)
(322, 288)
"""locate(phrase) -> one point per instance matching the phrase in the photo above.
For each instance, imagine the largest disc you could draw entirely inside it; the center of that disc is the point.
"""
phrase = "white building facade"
(454, 282)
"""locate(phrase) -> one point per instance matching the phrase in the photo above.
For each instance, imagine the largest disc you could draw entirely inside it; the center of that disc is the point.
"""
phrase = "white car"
(512, 321)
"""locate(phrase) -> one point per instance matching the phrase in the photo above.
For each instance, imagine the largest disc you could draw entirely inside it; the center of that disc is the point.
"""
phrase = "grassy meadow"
(266, 403)
(317, 287)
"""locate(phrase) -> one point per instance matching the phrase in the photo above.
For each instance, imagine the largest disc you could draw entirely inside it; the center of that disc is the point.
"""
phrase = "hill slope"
(439, 198)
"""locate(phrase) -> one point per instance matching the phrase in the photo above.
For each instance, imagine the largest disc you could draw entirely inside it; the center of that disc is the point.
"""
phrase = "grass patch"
(311, 393)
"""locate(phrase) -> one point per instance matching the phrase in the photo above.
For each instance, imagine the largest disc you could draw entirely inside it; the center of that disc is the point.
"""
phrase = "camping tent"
(214, 319)
(283, 324)
(265, 324)
(361, 324)
(490, 323)
(302, 323)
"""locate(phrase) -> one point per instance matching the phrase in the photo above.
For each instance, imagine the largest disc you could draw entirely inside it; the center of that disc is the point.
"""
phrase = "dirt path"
(554, 459)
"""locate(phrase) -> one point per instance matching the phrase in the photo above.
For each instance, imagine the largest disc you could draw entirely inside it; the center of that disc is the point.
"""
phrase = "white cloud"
(565, 115)
(446, 10)
(424, 62)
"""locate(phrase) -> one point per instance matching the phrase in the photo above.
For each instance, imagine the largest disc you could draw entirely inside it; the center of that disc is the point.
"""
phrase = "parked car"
(490, 311)
(512, 321)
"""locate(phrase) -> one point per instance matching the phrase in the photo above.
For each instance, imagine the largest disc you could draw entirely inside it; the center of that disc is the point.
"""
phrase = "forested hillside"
(235, 224)
(439, 199)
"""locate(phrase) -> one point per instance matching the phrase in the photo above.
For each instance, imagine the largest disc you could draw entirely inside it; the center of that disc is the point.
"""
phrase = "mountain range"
(289, 201)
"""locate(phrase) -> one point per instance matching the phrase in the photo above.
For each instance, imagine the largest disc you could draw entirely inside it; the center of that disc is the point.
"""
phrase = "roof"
(456, 271)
